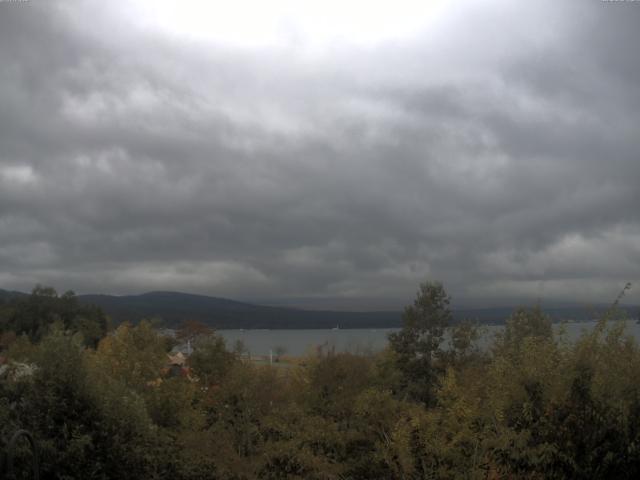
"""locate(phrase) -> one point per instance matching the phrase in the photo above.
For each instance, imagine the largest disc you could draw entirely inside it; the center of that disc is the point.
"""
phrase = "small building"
(177, 365)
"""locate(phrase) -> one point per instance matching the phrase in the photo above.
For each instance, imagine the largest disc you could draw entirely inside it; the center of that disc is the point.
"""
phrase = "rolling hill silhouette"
(171, 308)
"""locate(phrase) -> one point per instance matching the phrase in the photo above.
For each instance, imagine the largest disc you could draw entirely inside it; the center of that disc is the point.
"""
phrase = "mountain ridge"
(171, 308)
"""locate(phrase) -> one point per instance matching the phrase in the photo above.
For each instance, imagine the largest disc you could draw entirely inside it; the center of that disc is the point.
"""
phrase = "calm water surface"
(301, 342)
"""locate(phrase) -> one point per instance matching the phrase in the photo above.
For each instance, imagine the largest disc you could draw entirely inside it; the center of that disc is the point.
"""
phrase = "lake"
(301, 342)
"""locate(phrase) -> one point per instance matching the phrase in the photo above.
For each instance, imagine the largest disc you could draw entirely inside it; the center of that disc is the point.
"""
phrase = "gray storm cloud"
(498, 153)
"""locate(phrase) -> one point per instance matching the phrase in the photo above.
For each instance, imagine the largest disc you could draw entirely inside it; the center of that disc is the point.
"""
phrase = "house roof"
(177, 359)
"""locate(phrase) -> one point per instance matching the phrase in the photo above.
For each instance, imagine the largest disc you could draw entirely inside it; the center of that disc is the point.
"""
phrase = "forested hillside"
(170, 309)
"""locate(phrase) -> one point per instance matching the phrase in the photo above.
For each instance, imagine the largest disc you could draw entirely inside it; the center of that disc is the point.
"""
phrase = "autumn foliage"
(434, 404)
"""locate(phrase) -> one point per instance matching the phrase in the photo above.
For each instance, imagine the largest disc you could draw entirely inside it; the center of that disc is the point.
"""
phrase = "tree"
(210, 360)
(34, 315)
(417, 345)
(87, 424)
(133, 354)
(279, 350)
(240, 348)
(333, 382)
(191, 330)
(524, 324)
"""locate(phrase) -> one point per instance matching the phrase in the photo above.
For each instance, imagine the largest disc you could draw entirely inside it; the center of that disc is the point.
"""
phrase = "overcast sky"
(322, 149)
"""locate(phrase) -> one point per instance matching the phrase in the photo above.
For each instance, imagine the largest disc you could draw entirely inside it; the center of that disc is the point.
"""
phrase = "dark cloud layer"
(498, 153)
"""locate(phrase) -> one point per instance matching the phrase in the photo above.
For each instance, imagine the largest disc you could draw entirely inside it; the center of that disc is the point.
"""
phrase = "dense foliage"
(433, 405)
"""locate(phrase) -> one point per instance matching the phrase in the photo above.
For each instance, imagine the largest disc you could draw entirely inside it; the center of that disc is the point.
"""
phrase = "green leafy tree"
(210, 360)
(87, 425)
(523, 324)
(238, 412)
(133, 354)
(417, 345)
(34, 315)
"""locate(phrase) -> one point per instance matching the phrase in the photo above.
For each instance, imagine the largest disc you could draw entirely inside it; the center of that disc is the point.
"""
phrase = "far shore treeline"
(109, 400)
(172, 308)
